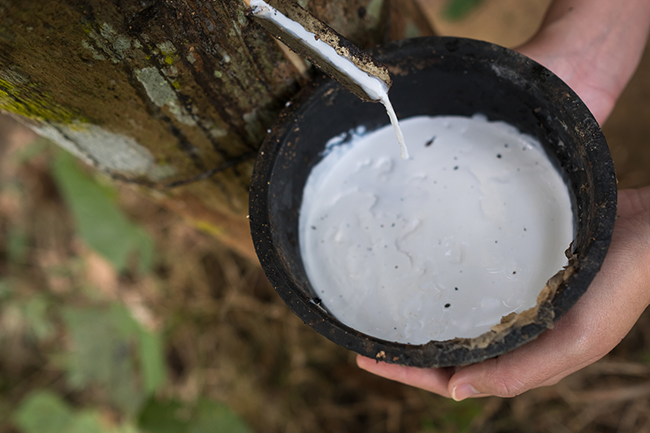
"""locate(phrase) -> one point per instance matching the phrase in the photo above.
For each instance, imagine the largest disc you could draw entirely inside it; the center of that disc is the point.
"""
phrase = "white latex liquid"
(375, 88)
(439, 246)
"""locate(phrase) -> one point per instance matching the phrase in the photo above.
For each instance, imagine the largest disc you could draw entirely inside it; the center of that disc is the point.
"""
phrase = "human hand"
(594, 326)
(594, 46)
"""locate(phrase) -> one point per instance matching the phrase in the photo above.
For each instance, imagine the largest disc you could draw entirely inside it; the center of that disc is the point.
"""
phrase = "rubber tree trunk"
(174, 96)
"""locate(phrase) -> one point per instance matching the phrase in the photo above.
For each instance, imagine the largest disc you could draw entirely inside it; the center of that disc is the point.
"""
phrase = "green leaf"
(152, 360)
(206, 417)
(86, 421)
(459, 9)
(17, 244)
(35, 313)
(103, 354)
(46, 412)
(126, 428)
(5, 289)
(215, 417)
(43, 412)
(145, 247)
(109, 349)
(100, 223)
(163, 417)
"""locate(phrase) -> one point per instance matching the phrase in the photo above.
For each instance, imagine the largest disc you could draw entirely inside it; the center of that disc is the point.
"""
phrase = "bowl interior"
(435, 76)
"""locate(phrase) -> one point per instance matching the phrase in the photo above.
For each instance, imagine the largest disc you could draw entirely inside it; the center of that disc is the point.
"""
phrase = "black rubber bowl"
(437, 76)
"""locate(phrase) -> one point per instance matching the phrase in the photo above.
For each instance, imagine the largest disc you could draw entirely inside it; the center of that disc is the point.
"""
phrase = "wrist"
(593, 45)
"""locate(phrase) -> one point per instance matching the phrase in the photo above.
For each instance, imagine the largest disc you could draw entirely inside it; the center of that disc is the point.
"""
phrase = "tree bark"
(174, 96)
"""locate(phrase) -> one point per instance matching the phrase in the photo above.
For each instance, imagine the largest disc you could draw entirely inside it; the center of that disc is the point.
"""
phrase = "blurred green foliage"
(163, 417)
(45, 412)
(17, 244)
(91, 366)
(34, 310)
(458, 9)
(453, 416)
(5, 289)
(111, 349)
(100, 222)
(109, 353)
(29, 313)
(214, 417)
(205, 416)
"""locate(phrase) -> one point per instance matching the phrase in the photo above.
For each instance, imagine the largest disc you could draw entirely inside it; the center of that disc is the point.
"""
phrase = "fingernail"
(463, 391)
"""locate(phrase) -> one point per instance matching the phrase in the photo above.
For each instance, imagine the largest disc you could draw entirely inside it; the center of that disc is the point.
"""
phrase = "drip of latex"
(356, 71)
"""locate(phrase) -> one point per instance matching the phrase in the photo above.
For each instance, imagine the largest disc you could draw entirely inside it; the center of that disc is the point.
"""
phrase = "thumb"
(593, 327)
(554, 355)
